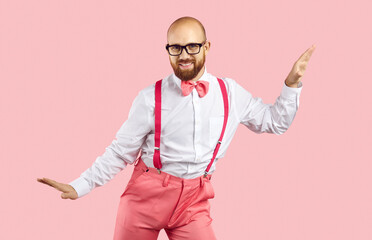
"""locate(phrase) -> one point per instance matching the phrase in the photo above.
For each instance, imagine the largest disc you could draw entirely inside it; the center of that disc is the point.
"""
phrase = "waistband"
(166, 177)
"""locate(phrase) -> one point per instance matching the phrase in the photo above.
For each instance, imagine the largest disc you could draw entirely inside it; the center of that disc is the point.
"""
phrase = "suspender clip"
(159, 170)
(156, 148)
(219, 142)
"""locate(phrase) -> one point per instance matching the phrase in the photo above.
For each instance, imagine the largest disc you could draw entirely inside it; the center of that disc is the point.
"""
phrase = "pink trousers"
(153, 201)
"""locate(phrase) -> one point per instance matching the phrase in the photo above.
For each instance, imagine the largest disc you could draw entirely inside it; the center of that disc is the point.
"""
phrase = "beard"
(188, 74)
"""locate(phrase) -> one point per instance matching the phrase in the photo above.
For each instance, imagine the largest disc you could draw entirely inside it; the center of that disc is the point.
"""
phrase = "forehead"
(185, 33)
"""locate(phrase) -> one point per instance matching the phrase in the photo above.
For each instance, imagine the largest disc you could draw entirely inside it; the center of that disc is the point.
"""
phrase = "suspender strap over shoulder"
(157, 162)
(226, 114)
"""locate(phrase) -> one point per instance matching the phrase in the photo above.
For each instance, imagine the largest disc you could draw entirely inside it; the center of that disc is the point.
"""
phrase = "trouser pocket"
(136, 175)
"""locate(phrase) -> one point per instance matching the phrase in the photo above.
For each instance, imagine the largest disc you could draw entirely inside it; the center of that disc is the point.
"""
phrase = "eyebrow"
(183, 45)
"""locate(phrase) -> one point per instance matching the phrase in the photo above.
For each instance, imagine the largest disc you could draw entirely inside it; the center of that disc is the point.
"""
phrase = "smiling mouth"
(185, 65)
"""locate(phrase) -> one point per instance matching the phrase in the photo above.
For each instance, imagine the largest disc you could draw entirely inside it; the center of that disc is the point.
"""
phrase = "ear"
(207, 46)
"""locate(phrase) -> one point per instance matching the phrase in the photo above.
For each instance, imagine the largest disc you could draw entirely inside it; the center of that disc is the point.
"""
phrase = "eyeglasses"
(191, 48)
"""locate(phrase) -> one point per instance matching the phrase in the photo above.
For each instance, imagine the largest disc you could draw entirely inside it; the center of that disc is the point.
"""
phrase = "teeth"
(185, 64)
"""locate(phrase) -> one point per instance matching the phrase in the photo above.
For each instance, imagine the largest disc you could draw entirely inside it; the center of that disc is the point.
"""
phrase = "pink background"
(69, 71)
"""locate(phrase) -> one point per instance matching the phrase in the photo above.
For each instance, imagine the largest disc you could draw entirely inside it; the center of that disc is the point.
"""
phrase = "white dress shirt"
(190, 128)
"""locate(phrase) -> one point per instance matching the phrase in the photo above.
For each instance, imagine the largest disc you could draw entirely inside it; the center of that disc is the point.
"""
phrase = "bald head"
(184, 28)
(188, 33)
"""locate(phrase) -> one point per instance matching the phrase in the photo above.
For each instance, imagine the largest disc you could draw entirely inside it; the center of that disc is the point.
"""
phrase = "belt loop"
(136, 161)
(166, 180)
(201, 181)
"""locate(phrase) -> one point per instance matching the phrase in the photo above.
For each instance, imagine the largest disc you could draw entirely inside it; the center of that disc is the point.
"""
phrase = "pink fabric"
(157, 161)
(201, 87)
(153, 201)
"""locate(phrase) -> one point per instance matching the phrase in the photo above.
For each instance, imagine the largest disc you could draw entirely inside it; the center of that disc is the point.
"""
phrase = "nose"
(184, 54)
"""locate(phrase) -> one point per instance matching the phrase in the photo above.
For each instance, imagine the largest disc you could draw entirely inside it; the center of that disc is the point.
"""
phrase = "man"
(171, 182)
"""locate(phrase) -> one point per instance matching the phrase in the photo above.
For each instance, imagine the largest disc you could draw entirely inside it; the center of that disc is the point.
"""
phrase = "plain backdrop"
(69, 71)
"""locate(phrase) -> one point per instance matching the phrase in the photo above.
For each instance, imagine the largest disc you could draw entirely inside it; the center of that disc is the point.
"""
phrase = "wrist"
(293, 85)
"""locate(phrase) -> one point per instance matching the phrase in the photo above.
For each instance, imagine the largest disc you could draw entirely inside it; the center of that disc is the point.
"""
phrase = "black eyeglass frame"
(185, 47)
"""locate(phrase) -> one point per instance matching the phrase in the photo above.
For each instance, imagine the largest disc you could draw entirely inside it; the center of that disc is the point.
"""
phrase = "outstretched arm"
(274, 118)
(122, 151)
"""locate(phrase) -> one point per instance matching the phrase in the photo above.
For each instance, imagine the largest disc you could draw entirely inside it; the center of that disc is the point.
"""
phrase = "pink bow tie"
(201, 87)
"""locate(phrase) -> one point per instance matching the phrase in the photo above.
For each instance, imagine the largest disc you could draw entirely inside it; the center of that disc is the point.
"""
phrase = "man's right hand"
(68, 192)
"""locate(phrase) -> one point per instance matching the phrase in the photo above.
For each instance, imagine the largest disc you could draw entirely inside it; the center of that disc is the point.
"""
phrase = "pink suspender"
(226, 114)
(157, 162)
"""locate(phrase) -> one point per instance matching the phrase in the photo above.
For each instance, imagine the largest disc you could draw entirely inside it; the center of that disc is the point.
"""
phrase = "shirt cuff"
(81, 186)
(292, 93)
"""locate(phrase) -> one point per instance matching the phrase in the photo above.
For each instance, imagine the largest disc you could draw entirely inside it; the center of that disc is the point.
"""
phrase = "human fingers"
(307, 54)
(51, 183)
(69, 195)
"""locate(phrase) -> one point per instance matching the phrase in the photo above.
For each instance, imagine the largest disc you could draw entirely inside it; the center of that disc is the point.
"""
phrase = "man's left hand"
(294, 77)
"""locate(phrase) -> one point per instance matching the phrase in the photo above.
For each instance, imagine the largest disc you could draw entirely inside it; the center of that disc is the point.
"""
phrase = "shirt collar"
(203, 77)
